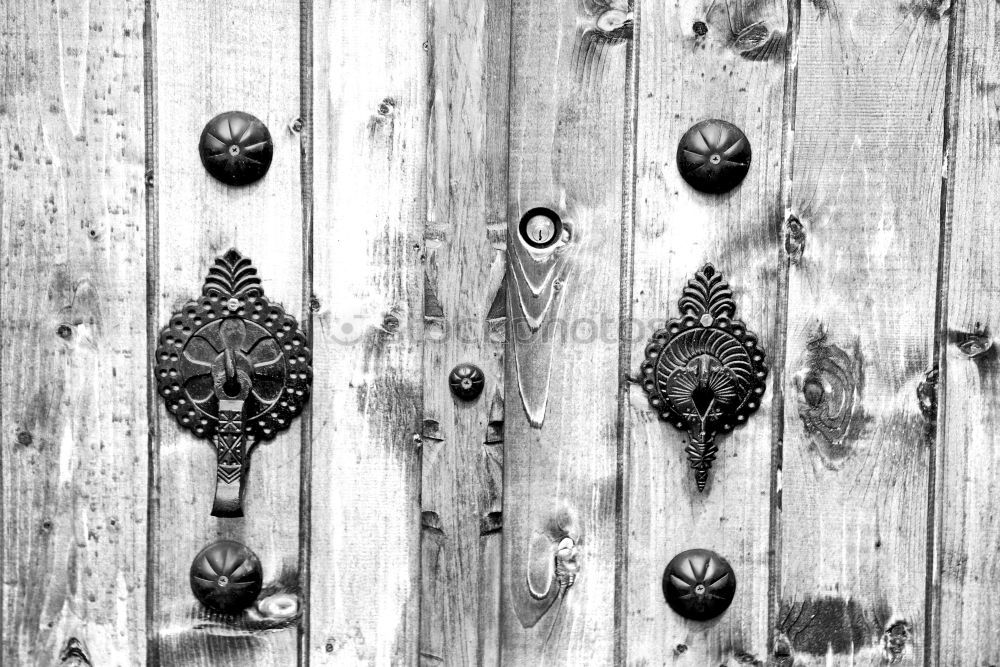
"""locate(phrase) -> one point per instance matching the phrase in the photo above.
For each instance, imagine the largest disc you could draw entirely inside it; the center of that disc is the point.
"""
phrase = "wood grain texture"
(567, 120)
(372, 99)
(74, 350)
(210, 58)
(697, 61)
(862, 244)
(968, 464)
(465, 244)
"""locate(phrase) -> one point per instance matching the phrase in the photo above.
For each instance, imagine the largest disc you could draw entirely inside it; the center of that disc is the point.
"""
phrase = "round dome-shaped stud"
(699, 584)
(226, 577)
(236, 148)
(467, 381)
(713, 156)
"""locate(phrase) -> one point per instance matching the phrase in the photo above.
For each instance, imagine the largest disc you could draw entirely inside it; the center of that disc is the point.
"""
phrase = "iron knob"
(699, 584)
(713, 156)
(226, 577)
(236, 148)
(466, 381)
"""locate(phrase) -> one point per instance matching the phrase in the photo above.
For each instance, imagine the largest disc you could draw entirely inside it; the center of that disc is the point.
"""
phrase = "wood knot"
(701, 30)
(74, 653)
(387, 107)
(927, 395)
(490, 523)
(830, 384)
(894, 641)
(615, 25)
(795, 239)
(567, 562)
(390, 323)
(976, 343)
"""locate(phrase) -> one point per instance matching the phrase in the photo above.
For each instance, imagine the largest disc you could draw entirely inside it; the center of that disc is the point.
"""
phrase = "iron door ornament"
(704, 372)
(234, 367)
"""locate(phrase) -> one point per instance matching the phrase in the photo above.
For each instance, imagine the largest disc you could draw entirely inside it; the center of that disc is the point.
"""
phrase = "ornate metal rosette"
(704, 372)
(234, 367)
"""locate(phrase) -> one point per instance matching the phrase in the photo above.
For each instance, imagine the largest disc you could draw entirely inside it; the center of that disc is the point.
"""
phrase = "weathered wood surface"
(968, 530)
(371, 73)
(210, 58)
(862, 243)
(567, 120)
(464, 320)
(696, 61)
(73, 329)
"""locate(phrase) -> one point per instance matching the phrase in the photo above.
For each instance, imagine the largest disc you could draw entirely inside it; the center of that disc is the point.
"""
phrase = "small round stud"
(467, 381)
(540, 227)
(713, 156)
(236, 148)
(226, 577)
(699, 584)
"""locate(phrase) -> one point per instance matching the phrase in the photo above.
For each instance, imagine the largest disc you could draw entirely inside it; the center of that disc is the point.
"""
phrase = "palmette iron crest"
(704, 372)
(234, 367)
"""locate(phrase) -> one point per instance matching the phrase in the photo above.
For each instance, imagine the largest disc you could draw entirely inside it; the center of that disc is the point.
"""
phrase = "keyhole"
(231, 386)
(702, 398)
(540, 227)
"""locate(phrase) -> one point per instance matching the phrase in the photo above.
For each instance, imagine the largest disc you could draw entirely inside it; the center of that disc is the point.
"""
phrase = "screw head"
(466, 381)
(713, 156)
(699, 584)
(236, 148)
(226, 577)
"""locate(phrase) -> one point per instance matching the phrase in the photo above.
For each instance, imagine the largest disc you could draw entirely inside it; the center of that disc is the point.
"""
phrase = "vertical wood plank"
(697, 61)
(969, 466)
(567, 127)
(464, 320)
(211, 58)
(74, 349)
(862, 243)
(371, 90)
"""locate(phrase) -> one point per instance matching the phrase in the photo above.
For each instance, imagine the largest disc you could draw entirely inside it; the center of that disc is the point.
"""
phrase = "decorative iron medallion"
(704, 372)
(234, 367)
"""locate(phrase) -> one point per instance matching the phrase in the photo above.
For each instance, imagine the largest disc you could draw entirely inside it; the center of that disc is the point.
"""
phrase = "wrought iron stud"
(234, 367)
(704, 372)
(713, 156)
(236, 148)
(226, 577)
(699, 584)
(467, 381)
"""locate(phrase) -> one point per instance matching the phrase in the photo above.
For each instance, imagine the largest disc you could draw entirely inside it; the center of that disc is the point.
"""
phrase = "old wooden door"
(529, 524)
